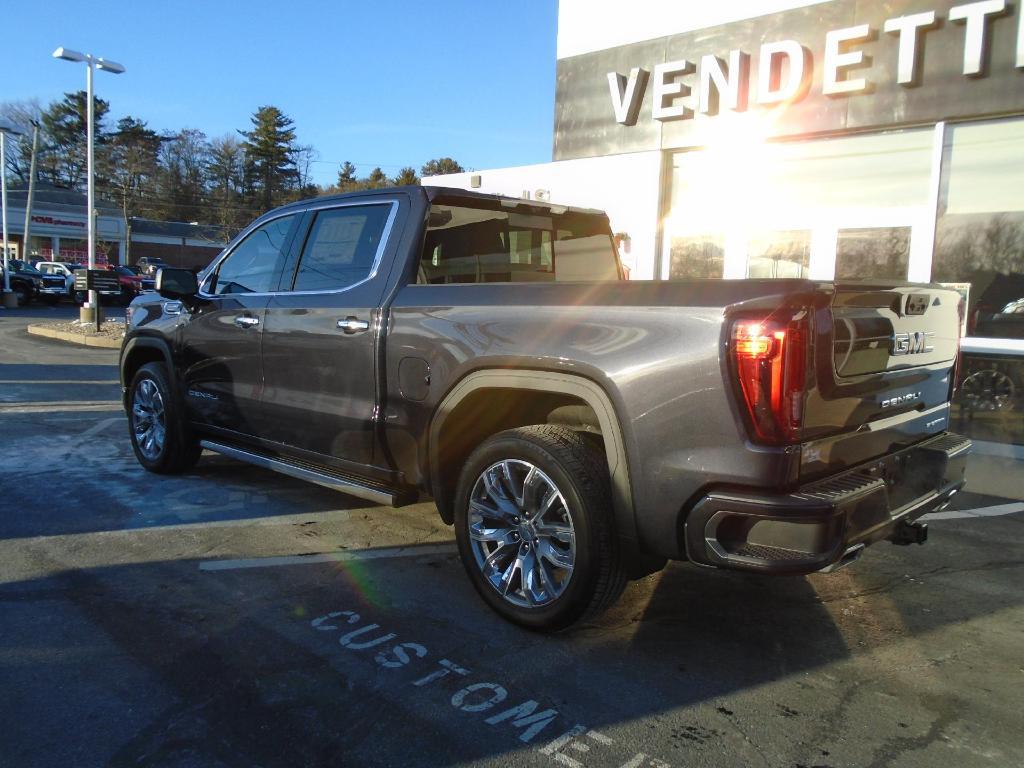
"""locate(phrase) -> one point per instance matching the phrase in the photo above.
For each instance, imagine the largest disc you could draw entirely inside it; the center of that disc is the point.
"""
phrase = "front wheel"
(534, 527)
(160, 437)
(22, 295)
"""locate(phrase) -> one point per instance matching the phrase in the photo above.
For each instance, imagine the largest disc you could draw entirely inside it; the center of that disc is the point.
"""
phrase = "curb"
(75, 338)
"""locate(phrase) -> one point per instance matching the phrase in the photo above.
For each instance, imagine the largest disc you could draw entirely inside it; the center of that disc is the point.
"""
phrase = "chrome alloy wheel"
(149, 424)
(521, 533)
(988, 390)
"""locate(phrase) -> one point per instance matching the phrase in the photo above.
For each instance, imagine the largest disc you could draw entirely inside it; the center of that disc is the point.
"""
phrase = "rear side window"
(255, 264)
(484, 244)
(341, 248)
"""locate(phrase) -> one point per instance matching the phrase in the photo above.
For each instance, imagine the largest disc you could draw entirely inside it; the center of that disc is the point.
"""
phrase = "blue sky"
(386, 82)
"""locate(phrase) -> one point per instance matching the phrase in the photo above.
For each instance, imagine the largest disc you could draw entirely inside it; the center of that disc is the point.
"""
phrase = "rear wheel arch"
(478, 398)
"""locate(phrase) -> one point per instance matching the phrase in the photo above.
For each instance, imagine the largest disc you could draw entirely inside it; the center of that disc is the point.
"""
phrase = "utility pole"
(6, 129)
(31, 189)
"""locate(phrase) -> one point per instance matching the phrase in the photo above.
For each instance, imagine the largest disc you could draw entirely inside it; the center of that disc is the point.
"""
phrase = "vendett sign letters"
(785, 68)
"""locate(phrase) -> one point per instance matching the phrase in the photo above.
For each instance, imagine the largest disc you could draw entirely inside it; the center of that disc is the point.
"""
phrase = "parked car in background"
(58, 281)
(131, 284)
(148, 265)
(25, 281)
(1008, 323)
(148, 281)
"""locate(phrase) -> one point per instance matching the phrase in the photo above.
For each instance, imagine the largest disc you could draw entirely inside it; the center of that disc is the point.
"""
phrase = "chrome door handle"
(244, 321)
(353, 325)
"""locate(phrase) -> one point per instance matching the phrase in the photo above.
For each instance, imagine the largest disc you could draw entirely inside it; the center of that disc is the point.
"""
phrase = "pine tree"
(63, 159)
(347, 180)
(376, 179)
(440, 166)
(269, 149)
(406, 177)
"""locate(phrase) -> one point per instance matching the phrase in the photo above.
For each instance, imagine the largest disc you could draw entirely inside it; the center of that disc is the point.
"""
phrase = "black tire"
(179, 450)
(22, 294)
(579, 471)
(79, 297)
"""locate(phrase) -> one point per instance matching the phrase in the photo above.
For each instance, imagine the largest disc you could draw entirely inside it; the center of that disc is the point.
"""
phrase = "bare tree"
(304, 155)
(19, 149)
(183, 161)
(226, 175)
(130, 169)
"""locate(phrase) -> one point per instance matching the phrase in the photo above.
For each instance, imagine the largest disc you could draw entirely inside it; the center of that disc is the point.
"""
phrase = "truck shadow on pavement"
(243, 668)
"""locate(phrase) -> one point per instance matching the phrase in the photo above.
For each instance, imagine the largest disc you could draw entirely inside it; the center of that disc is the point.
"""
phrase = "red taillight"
(770, 361)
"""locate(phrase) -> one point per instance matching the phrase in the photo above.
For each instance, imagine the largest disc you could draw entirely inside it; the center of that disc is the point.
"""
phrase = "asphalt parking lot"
(233, 617)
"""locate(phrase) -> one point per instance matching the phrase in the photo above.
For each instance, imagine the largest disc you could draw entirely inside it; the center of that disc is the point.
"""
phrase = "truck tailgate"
(884, 356)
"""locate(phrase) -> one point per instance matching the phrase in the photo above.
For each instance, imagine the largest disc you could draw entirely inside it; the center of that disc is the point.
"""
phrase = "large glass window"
(980, 235)
(341, 247)
(697, 256)
(779, 254)
(484, 244)
(872, 252)
(746, 208)
(254, 266)
(979, 249)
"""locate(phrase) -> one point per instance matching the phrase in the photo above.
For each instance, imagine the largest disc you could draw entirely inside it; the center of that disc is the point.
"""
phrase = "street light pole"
(3, 206)
(90, 188)
(92, 63)
(9, 299)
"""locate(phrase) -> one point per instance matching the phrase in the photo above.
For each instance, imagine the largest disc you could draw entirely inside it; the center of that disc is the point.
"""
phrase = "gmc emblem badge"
(915, 343)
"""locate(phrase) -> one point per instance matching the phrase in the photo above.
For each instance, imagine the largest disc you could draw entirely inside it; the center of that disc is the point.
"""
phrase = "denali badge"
(915, 343)
(901, 400)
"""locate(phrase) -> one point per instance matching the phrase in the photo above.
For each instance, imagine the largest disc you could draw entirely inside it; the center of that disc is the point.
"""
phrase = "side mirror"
(176, 283)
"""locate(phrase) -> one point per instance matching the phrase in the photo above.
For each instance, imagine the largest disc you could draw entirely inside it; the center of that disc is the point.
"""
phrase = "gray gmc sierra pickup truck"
(578, 429)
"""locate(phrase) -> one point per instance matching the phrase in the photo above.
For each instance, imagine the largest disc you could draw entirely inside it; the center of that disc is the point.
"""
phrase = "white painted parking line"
(61, 405)
(59, 381)
(962, 514)
(329, 557)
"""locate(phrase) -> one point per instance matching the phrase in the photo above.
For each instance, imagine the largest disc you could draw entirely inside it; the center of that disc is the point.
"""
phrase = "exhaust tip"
(849, 557)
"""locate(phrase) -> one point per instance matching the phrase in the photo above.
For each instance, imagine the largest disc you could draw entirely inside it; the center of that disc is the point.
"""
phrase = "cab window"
(254, 266)
(484, 242)
(341, 248)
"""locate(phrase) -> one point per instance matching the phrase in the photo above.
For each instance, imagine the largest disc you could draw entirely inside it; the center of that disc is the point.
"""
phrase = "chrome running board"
(335, 483)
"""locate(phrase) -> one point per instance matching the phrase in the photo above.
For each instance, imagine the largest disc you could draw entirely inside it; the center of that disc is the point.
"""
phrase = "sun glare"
(727, 182)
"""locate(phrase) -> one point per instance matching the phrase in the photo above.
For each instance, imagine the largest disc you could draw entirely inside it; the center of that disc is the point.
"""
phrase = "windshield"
(480, 241)
(20, 266)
